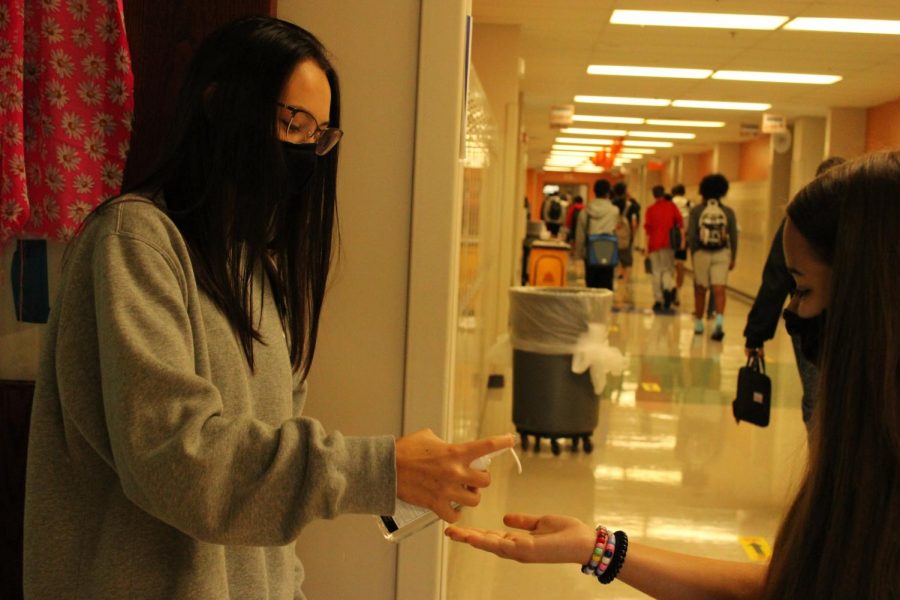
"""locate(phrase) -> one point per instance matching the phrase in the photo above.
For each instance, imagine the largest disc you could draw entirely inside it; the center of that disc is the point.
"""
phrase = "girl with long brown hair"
(840, 536)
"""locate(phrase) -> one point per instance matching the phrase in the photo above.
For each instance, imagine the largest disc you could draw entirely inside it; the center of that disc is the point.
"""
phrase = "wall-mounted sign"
(749, 129)
(772, 123)
(561, 116)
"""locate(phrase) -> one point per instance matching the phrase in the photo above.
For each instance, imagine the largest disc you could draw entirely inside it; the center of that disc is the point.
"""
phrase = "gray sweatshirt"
(159, 465)
(600, 216)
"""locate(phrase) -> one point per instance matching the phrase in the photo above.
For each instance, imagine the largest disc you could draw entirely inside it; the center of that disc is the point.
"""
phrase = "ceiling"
(560, 38)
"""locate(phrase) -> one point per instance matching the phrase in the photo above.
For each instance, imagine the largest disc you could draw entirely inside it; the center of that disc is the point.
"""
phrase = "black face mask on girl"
(301, 161)
(809, 330)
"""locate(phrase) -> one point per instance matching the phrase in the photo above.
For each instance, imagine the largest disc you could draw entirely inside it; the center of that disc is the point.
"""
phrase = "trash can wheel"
(575, 439)
(587, 444)
(524, 437)
(554, 446)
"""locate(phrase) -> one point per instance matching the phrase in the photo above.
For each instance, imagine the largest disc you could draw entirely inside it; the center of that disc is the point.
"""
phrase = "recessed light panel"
(605, 119)
(666, 135)
(721, 105)
(648, 72)
(587, 131)
(683, 123)
(576, 147)
(647, 143)
(595, 141)
(622, 100)
(695, 19)
(777, 77)
(880, 26)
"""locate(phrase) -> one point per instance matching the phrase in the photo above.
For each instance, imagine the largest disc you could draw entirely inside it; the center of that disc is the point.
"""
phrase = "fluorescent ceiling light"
(576, 147)
(571, 140)
(563, 169)
(565, 160)
(721, 105)
(693, 19)
(589, 169)
(622, 100)
(777, 77)
(684, 123)
(648, 72)
(647, 143)
(630, 155)
(571, 153)
(845, 25)
(662, 134)
(583, 131)
(592, 150)
(601, 119)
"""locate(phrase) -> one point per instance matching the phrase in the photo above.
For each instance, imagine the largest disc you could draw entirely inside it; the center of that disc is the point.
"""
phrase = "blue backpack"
(602, 248)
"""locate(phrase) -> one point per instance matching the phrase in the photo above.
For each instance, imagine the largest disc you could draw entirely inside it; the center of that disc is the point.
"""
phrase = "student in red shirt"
(663, 219)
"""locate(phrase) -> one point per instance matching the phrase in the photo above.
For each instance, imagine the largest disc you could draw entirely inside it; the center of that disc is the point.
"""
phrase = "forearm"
(673, 576)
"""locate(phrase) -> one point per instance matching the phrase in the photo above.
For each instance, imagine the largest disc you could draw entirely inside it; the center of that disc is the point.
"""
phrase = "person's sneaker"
(657, 307)
(668, 298)
(698, 326)
(717, 333)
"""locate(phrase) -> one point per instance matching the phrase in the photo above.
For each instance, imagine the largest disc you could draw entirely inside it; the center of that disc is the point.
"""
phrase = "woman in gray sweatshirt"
(168, 456)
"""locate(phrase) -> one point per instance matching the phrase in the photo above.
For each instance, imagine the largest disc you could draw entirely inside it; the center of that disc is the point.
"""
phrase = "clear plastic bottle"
(408, 519)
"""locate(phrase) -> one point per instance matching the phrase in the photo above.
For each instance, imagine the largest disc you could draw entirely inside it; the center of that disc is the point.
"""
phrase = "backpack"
(623, 232)
(713, 226)
(602, 248)
(554, 213)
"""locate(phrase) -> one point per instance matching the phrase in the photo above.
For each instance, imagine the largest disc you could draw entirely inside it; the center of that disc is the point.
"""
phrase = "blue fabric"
(31, 290)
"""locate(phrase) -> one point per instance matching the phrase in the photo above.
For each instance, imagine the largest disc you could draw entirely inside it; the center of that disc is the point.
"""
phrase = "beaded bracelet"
(602, 537)
(618, 559)
(607, 555)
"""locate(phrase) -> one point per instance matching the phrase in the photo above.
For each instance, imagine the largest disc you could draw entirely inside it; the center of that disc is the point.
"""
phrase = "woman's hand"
(433, 474)
(547, 539)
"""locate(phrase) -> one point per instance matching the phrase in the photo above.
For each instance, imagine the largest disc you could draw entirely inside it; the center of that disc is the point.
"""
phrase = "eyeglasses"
(303, 128)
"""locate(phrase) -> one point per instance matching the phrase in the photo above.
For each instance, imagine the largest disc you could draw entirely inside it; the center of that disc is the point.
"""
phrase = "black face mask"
(301, 161)
(809, 330)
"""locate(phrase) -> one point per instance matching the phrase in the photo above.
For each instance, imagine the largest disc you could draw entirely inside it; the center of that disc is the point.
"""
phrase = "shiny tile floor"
(670, 466)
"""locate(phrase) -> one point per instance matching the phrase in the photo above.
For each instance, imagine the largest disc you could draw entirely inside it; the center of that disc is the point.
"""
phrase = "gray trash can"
(549, 400)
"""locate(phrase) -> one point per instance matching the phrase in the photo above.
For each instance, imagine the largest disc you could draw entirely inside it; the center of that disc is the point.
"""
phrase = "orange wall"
(754, 159)
(705, 164)
(883, 126)
(537, 180)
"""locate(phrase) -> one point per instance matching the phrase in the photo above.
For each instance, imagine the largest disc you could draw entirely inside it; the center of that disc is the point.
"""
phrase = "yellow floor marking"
(757, 548)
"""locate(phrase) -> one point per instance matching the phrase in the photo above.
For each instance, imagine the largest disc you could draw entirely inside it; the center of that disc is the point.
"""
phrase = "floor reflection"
(669, 465)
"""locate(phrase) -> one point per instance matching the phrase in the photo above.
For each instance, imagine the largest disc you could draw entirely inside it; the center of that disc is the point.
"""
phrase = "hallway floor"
(670, 466)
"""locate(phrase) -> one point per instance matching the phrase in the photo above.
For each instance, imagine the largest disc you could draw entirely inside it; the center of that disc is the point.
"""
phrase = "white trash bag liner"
(566, 321)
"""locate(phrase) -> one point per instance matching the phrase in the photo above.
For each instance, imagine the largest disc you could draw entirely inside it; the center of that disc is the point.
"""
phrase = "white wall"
(383, 364)
(357, 380)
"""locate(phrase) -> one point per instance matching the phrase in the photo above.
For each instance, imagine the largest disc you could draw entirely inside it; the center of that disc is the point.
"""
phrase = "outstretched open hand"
(546, 539)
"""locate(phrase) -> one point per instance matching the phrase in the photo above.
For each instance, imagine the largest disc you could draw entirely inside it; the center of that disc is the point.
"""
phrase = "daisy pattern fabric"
(66, 105)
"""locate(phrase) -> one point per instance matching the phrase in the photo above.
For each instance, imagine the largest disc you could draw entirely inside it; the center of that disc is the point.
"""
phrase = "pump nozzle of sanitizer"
(408, 518)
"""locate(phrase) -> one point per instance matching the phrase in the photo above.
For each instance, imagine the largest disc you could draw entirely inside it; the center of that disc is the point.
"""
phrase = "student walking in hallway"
(664, 227)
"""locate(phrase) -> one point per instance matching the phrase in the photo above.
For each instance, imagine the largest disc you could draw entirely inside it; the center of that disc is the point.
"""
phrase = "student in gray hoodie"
(169, 456)
(600, 216)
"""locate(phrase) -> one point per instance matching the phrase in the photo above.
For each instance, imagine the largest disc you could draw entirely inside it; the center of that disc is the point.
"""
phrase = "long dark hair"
(225, 184)
(840, 537)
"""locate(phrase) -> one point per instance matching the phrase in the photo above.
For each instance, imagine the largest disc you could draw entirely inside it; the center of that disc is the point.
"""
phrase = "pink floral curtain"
(66, 104)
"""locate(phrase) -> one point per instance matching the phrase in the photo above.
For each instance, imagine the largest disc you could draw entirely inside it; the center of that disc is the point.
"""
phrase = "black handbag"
(754, 393)
(675, 238)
